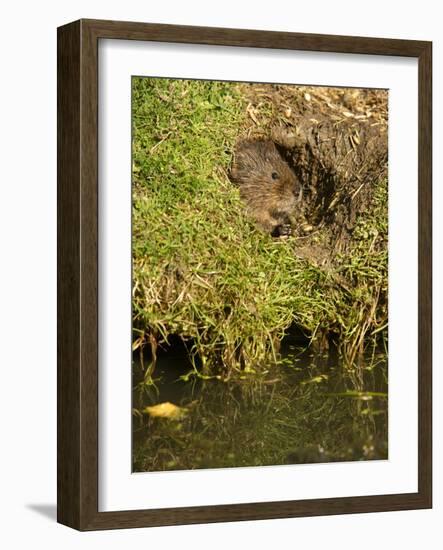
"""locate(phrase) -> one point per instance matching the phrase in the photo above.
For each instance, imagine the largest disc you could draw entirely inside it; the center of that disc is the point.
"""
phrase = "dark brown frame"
(77, 456)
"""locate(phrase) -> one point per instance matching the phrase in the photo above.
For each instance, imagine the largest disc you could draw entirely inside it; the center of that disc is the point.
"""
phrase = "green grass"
(201, 270)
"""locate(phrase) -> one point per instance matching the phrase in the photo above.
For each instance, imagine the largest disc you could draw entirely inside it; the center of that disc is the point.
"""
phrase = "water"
(309, 409)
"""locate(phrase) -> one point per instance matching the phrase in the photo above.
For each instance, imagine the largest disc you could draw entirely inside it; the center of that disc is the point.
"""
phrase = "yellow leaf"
(165, 410)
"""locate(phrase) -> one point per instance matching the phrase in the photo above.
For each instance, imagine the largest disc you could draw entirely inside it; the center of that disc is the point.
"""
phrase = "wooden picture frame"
(78, 244)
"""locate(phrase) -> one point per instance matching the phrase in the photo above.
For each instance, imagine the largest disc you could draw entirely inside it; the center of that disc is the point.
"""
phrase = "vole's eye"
(274, 176)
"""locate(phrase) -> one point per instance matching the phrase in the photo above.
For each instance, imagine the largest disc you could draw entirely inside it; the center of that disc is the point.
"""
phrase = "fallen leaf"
(166, 410)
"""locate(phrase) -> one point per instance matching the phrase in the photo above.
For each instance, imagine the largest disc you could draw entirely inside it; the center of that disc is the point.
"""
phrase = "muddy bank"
(336, 142)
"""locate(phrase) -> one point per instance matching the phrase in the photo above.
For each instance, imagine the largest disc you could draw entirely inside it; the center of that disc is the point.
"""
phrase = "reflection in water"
(308, 409)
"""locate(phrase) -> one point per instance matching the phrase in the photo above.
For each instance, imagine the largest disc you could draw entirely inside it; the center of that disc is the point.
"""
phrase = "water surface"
(309, 409)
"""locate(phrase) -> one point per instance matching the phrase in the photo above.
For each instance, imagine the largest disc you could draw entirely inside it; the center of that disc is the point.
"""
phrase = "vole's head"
(264, 176)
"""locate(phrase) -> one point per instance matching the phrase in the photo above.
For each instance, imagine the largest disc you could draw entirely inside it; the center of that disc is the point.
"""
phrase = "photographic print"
(259, 274)
(223, 246)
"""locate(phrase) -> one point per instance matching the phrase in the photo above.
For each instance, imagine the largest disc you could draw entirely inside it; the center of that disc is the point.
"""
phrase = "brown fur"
(267, 184)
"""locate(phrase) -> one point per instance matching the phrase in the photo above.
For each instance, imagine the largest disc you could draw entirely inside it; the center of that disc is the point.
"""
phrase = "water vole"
(268, 186)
